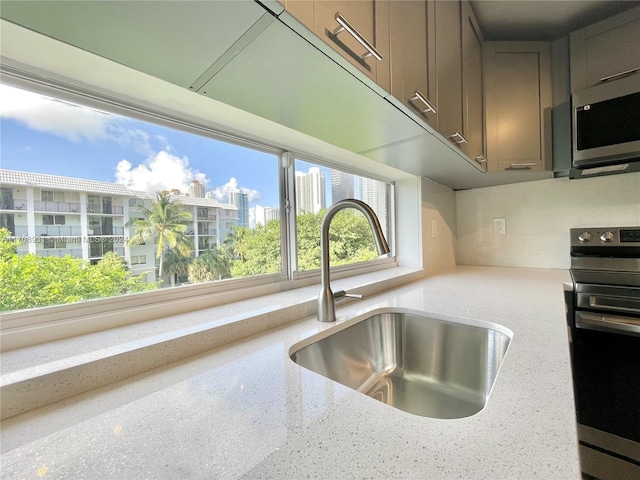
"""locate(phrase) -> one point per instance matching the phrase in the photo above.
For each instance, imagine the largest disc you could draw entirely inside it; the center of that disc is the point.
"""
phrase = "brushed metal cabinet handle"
(522, 166)
(483, 162)
(346, 25)
(418, 95)
(461, 138)
(618, 75)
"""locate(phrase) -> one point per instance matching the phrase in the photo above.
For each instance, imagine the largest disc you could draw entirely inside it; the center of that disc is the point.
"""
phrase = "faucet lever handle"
(343, 294)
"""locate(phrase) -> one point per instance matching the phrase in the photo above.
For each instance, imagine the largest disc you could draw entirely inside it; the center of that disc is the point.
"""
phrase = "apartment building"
(59, 216)
(212, 221)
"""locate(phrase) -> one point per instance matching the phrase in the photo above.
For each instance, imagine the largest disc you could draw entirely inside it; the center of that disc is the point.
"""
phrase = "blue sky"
(43, 135)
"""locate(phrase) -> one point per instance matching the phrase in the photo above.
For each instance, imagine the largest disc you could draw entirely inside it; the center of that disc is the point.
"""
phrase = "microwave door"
(606, 125)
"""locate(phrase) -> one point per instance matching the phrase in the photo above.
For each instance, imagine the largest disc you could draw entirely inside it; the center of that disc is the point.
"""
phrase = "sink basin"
(422, 365)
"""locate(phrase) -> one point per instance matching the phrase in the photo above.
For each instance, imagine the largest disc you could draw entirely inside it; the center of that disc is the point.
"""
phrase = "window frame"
(234, 289)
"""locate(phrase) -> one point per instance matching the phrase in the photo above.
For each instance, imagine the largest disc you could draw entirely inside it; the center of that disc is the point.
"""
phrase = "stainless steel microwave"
(606, 123)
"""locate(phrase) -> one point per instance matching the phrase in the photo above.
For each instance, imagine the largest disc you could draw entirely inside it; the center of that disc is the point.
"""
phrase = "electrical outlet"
(500, 226)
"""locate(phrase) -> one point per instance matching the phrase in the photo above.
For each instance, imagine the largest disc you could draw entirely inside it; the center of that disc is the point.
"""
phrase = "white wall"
(438, 227)
(539, 215)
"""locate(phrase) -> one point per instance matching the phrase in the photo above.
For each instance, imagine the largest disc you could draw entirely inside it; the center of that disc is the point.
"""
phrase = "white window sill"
(39, 375)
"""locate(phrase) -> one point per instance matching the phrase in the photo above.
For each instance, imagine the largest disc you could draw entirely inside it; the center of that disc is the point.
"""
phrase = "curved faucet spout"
(326, 298)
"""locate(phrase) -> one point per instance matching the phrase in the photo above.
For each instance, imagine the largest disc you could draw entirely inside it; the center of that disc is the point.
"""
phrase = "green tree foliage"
(8, 247)
(33, 281)
(165, 223)
(256, 251)
(350, 239)
(214, 264)
(308, 230)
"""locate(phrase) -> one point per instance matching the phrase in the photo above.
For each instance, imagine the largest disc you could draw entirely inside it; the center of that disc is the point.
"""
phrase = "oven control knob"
(607, 237)
(584, 237)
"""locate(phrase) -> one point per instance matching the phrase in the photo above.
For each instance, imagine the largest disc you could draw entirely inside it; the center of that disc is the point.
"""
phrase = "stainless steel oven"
(604, 321)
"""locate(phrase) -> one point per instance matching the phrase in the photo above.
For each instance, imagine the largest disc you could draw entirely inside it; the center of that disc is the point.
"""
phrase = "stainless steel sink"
(422, 365)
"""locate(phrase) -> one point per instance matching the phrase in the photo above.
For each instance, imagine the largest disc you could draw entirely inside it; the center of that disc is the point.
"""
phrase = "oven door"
(605, 352)
(613, 309)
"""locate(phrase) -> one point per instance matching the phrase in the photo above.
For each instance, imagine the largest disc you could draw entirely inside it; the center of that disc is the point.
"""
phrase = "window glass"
(351, 241)
(108, 212)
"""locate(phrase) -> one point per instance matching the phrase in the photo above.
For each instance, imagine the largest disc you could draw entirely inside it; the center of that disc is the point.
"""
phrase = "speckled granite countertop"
(247, 411)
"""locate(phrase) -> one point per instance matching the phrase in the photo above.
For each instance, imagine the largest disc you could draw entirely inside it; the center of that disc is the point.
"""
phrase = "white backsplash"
(438, 227)
(538, 218)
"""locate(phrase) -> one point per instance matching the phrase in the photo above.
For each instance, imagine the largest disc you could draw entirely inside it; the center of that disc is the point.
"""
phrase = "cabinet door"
(518, 105)
(472, 86)
(604, 50)
(449, 69)
(361, 16)
(303, 10)
(409, 55)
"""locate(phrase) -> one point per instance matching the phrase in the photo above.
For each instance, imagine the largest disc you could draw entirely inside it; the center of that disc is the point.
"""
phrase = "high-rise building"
(341, 185)
(373, 193)
(266, 214)
(310, 191)
(241, 201)
(196, 189)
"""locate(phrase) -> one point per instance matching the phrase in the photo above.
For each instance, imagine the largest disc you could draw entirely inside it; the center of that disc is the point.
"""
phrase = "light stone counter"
(248, 411)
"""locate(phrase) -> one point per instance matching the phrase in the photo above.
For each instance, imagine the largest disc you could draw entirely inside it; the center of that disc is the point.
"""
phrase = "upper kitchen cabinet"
(605, 50)
(173, 41)
(358, 31)
(459, 78)
(472, 87)
(518, 105)
(448, 52)
(412, 32)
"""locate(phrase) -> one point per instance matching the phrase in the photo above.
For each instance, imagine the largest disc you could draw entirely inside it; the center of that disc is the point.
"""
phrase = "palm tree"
(214, 264)
(166, 223)
(176, 265)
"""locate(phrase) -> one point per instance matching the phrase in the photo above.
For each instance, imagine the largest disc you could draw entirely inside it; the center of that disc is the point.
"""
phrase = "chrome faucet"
(326, 298)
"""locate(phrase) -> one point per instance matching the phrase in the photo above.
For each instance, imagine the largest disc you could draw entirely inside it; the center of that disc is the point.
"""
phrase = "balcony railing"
(13, 204)
(66, 207)
(61, 252)
(55, 231)
(100, 209)
(206, 216)
(98, 230)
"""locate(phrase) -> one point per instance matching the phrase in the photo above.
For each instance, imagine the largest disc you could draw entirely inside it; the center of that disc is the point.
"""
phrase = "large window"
(207, 208)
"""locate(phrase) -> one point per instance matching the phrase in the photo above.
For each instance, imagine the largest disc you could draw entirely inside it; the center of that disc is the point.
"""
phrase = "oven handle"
(621, 304)
(614, 324)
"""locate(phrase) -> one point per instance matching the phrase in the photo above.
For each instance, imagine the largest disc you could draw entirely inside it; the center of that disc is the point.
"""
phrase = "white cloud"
(222, 193)
(70, 121)
(53, 116)
(162, 171)
(252, 216)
